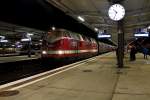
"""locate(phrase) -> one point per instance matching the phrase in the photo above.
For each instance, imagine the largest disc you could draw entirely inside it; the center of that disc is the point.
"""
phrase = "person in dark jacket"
(145, 52)
(132, 53)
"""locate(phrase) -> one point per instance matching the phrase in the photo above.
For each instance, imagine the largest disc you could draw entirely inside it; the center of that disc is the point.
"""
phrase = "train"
(21, 48)
(25, 48)
(6, 48)
(62, 44)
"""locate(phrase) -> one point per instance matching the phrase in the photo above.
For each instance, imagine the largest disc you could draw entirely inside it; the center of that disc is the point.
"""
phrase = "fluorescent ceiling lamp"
(141, 35)
(30, 34)
(4, 41)
(148, 27)
(81, 18)
(2, 37)
(26, 39)
(104, 36)
(19, 46)
(96, 29)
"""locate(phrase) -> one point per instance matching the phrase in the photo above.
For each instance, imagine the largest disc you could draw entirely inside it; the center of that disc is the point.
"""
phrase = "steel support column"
(120, 44)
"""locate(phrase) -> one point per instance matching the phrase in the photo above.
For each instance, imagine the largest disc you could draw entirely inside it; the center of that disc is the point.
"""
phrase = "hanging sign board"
(104, 35)
(142, 33)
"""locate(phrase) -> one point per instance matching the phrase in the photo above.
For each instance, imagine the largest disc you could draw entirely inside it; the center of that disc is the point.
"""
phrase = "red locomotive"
(65, 45)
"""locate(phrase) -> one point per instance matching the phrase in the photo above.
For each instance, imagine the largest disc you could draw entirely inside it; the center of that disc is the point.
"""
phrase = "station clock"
(116, 12)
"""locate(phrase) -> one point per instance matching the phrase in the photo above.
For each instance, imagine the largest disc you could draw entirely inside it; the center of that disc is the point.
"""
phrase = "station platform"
(94, 79)
(17, 58)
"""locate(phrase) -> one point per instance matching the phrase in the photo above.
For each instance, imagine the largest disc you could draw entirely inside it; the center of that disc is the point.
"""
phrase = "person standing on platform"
(132, 53)
(145, 52)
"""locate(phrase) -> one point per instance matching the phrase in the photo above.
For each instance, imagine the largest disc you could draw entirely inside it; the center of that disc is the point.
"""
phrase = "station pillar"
(120, 44)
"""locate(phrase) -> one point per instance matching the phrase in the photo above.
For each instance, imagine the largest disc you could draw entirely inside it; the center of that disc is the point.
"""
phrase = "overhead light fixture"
(2, 37)
(53, 28)
(30, 34)
(25, 39)
(3, 41)
(96, 29)
(149, 27)
(81, 18)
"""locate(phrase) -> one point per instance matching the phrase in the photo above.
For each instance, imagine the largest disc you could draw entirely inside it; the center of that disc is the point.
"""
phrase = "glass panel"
(85, 38)
(76, 36)
(53, 36)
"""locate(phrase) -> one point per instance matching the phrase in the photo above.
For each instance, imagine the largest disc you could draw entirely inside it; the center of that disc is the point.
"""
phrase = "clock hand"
(115, 15)
(115, 11)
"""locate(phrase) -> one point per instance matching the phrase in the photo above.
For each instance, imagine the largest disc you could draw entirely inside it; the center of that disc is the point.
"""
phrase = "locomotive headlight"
(60, 52)
(44, 52)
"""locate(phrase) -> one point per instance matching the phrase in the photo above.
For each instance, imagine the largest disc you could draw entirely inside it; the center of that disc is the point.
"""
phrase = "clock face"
(116, 12)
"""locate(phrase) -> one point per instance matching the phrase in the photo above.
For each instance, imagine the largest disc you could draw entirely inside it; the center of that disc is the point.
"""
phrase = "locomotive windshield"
(53, 36)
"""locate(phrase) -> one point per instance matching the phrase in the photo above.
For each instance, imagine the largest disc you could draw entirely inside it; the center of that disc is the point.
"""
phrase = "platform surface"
(17, 58)
(97, 79)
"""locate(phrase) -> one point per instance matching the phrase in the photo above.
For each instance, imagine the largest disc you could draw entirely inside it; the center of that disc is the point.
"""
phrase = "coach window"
(54, 36)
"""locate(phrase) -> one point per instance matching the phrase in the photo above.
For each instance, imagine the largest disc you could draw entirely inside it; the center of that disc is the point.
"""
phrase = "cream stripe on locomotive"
(70, 51)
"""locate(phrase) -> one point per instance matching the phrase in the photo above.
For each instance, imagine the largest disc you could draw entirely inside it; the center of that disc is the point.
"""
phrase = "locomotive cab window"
(75, 36)
(66, 34)
(85, 39)
(54, 36)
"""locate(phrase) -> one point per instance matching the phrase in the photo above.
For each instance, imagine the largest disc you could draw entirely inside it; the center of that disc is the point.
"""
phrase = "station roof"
(15, 32)
(43, 14)
(95, 13)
